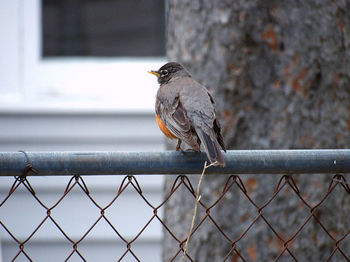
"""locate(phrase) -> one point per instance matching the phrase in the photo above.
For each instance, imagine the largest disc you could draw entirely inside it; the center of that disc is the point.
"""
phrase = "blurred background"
(74, 77)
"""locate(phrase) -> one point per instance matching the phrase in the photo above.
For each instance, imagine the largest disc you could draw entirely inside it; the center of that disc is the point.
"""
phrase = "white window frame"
(29, 82)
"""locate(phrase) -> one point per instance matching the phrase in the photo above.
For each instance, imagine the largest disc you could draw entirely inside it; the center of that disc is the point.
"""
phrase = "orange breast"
(164, 129)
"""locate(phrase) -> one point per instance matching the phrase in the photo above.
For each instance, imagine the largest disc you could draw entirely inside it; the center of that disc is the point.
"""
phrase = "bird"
(185, 110)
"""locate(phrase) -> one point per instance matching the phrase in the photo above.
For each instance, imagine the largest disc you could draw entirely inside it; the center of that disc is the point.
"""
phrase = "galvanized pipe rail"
(170, 162)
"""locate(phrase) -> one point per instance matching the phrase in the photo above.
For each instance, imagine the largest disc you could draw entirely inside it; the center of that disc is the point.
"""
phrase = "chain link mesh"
(183, 182)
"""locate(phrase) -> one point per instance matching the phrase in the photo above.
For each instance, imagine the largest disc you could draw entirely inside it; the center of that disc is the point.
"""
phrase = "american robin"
(185, 110)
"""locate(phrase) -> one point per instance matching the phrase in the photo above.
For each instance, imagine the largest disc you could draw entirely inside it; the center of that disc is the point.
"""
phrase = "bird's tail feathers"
(212, 148)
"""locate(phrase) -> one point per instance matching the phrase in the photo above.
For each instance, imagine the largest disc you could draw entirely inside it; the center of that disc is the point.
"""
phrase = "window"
(80, 55)
(103, 28)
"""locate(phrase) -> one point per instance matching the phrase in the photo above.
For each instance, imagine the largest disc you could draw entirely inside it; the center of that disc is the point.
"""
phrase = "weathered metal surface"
(238, 162)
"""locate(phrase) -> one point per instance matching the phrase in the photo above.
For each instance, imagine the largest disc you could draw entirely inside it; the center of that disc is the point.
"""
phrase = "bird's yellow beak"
(154, 73)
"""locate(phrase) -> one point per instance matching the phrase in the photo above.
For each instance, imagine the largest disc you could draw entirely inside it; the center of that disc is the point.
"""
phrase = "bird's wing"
(175, 119)
(201, 113)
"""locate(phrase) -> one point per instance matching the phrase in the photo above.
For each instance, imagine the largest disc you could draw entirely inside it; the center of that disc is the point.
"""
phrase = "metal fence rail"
(75, 164)
(237, 162)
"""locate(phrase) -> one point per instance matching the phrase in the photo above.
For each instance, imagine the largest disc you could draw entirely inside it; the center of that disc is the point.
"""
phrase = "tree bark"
(280, 74)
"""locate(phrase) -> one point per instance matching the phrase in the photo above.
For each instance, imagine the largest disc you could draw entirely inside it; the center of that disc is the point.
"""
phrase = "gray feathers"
(187, 109)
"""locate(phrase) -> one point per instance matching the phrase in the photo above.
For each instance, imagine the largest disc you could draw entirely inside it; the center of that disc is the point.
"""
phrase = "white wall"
(50, 132)
(73, 104)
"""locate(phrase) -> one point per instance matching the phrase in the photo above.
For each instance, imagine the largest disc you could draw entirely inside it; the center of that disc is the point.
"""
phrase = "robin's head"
(169, 70)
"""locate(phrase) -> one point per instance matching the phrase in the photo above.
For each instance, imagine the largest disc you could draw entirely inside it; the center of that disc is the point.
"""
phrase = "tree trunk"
(280, 73)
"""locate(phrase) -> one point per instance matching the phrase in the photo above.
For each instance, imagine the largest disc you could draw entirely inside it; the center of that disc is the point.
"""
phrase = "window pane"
(103, 28)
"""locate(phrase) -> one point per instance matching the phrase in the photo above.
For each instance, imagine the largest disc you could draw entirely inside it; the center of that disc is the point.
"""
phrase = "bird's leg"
(178, 146)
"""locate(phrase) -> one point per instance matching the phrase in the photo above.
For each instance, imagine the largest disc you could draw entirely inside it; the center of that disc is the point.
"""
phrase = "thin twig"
(198, 198)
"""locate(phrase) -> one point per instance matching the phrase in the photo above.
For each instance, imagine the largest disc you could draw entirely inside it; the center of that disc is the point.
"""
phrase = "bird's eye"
(165, 72)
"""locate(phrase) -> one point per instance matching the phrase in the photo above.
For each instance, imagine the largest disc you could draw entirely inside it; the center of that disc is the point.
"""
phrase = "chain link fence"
(337, 183)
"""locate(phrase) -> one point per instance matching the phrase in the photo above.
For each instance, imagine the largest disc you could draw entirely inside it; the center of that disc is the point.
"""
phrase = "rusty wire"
(184, 183)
